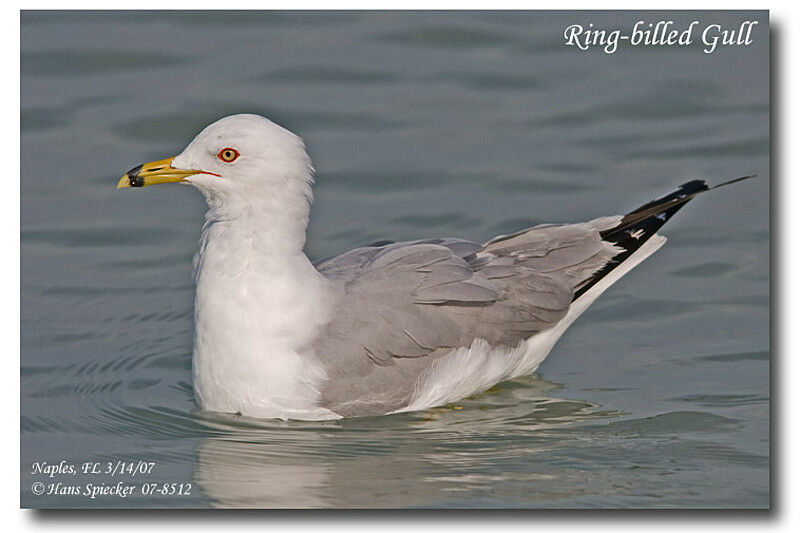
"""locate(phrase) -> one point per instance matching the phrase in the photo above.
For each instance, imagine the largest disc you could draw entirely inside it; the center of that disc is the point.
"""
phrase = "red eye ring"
(228, 155)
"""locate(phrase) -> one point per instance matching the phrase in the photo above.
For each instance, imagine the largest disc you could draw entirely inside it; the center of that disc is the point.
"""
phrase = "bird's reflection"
(420, 459)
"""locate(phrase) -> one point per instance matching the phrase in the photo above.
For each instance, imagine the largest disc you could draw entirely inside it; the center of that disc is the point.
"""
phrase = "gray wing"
(404, 305)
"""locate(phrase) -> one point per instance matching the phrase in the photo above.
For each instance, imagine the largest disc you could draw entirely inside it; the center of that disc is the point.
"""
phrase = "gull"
(384, 328)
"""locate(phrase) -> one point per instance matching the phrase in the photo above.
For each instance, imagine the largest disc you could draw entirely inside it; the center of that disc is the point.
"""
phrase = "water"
(429, 124)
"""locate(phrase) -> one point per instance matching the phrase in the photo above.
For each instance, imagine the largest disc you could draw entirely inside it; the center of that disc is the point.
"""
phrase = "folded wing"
(404, 305)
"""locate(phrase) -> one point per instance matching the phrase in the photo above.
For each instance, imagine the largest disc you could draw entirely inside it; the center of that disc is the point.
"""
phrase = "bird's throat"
(259, 303)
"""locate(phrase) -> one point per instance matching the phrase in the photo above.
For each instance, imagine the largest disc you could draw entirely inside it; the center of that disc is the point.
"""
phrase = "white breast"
(251, 329)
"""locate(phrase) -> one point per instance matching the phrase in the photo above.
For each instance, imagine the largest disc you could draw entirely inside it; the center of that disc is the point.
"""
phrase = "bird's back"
(405, 309)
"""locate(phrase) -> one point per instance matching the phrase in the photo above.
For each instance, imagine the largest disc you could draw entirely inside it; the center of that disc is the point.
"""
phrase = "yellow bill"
(155, 172)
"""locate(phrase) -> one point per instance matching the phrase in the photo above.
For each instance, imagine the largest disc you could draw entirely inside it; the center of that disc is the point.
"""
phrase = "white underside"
(467, 371)
(461, 373)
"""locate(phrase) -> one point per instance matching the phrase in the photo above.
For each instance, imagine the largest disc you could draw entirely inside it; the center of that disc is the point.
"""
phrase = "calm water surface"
(420, 125)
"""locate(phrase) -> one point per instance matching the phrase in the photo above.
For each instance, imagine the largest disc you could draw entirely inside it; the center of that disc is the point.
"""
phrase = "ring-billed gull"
(383, 328)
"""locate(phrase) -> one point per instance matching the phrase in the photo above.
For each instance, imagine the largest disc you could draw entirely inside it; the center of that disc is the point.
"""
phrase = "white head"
(237, 162)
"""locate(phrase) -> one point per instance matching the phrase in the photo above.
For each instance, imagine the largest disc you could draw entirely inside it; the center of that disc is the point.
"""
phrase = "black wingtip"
(693, 186)
(685, 191)
(639, 225)
(724, 183)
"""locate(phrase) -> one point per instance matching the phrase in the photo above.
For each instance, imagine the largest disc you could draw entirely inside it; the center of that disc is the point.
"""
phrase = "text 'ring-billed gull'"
(383, 328)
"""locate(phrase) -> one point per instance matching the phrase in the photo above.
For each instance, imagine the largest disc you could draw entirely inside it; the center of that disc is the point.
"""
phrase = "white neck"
(259, 304)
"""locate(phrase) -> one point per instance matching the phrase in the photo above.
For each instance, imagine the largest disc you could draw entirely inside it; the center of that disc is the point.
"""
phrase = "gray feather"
(404, 305)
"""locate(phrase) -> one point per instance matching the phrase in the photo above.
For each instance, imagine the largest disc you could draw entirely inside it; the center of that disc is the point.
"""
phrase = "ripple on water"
(674, 423)
(640, 309)
(92, 237)
(496, 81)
(706, 270)
(724, 400)
(675, 102)
(326, 75)
(177, 126)
(52, 117)
(57, 63)
(736, 357)
(444, 37)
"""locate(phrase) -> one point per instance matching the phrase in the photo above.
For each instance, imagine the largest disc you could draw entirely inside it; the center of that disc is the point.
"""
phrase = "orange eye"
(228, 155)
